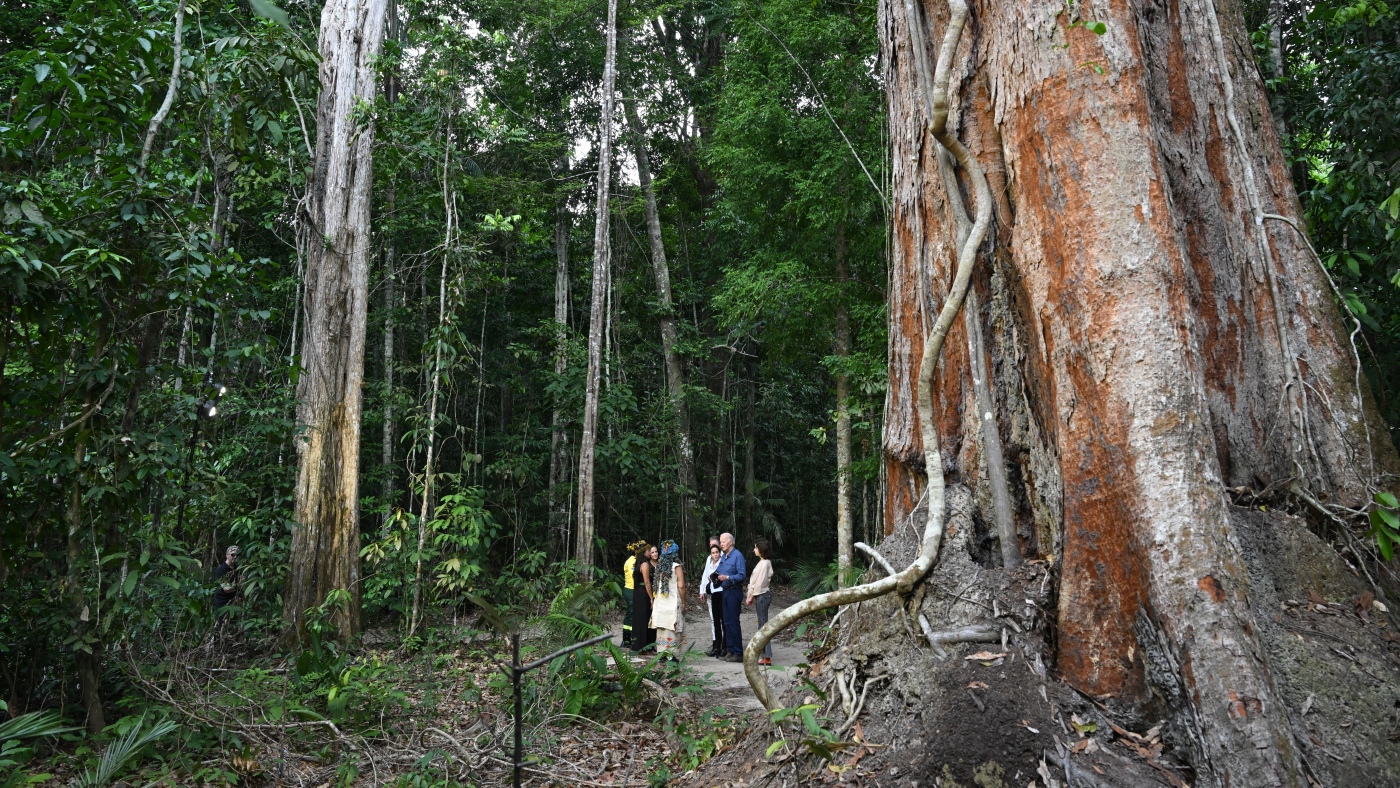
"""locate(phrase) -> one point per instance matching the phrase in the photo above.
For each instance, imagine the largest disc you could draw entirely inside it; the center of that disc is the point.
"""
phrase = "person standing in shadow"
(643, 593)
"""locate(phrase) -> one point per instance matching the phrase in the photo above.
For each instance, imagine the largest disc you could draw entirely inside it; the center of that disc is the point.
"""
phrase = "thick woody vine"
(935, 92)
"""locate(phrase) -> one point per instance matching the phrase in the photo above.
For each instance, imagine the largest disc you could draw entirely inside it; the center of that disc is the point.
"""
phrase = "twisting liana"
(935, 89)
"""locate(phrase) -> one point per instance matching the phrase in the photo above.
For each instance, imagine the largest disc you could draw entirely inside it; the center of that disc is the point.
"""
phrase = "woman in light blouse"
(760, 593)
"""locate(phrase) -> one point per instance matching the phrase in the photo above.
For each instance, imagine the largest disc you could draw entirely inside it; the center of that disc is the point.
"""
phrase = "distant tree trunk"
(448, 200)
(750, 444)
(427, 510)
(153, 127)
(559, 437)
(326, 541)
(1276, 65)
(845, 539)
(602, 253)
(391, 253)
(675, 373)
(1163, 340)
(89, 652)
(386, 457)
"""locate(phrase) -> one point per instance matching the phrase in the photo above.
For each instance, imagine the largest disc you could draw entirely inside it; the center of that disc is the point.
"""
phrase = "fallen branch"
(976, 633)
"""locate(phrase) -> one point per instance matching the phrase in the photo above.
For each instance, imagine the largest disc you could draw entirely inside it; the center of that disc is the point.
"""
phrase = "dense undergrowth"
(223, 704)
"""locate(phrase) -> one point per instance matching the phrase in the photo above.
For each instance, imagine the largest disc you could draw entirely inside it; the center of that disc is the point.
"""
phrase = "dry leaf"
(978, 685)
(984, 655)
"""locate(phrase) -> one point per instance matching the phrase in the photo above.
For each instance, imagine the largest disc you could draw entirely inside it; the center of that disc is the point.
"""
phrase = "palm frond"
(37, 723)
(121, 751)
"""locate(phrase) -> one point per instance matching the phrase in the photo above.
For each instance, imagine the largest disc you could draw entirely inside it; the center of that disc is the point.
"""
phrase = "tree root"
(975, 633)
(860, 704)
(876, 557)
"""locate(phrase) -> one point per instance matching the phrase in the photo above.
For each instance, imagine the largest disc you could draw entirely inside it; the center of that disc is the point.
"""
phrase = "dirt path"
(725, 681)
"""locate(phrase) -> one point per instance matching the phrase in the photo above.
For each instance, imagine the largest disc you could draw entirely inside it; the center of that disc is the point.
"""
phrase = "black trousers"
(717, 622)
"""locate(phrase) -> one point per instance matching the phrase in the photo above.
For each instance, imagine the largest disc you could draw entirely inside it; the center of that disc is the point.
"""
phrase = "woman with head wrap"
(668, 611)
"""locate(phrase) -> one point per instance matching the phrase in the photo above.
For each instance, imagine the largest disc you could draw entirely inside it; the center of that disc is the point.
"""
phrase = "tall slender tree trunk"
(88, 655)
(675, 372)
(841, 347)
(1170, 340)
(326, 541)
(559, 437)
(602, 258)
(386, 452)
(750, 445)
(391, 254)
(427, 510)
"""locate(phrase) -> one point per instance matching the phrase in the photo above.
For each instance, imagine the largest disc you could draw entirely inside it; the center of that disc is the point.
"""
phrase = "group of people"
(654, 589)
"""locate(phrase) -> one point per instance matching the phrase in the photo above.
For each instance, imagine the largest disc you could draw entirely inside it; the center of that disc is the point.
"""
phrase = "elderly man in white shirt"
(712, 593)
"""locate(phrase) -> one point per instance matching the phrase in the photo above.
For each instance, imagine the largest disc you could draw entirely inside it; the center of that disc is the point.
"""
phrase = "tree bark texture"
(675, 373)
(1153, 340)
(88, 656)
(326, 542)
(841, 347)
(559, 437)
(602, 258)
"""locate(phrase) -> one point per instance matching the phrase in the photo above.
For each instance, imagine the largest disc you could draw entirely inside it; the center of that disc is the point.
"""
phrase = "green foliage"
(1385, 523)
(13, 753)
(1337, 96)
(813, 734)
(814, 576)
(123, 751)
(700, 739)
(153, 319)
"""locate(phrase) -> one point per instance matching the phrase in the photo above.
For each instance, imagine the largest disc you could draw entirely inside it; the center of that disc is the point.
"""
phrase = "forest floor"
(435, 712)
(725, 685)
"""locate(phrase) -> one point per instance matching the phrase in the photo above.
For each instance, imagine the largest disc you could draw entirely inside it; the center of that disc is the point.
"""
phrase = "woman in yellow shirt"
(628, 591)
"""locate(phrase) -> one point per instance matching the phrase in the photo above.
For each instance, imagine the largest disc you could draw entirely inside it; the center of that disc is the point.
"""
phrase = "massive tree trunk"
(1157, 337)
(326, 541)
(675, 374)
(602, 259)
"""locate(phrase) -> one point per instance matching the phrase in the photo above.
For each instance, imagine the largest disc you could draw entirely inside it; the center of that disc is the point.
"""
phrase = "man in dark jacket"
(226, 575)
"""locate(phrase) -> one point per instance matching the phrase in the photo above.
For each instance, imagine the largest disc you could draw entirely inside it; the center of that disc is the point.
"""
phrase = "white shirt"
(710, 565)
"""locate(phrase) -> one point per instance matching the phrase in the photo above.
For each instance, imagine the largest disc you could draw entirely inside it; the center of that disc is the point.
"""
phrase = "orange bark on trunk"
(1145, 317)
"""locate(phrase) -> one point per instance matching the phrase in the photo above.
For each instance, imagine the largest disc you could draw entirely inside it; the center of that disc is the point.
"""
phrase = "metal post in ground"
(515, 675)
